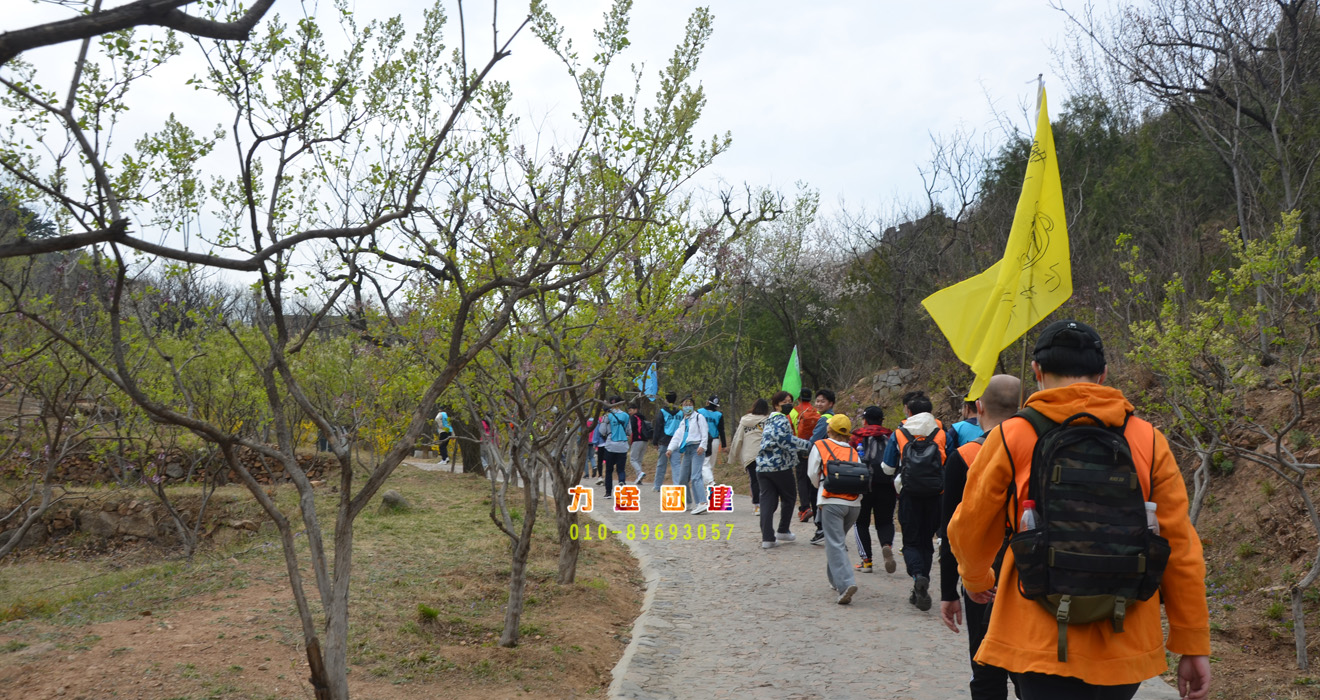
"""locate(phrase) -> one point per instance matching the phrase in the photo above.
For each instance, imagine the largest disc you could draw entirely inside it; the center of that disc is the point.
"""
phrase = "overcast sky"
(841, 95)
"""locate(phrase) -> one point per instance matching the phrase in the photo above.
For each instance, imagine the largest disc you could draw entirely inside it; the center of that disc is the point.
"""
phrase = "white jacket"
(695, 428)
(746, 439)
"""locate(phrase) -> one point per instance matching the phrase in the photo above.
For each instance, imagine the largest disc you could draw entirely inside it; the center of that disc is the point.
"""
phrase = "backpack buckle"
(1064, 604)
(1120, 612)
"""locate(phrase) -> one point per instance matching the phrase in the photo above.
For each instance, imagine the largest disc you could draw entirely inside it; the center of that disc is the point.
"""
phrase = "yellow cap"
(841, 424)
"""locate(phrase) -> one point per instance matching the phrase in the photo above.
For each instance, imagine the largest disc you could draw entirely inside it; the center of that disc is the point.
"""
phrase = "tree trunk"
(1201, 479)
(469, 445)
(518, 573)
(1299, 626)
(569, 548)
(1299, 588)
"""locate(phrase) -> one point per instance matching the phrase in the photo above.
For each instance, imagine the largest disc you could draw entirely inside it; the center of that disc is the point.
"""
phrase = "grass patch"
(426, 613)
(428, 593)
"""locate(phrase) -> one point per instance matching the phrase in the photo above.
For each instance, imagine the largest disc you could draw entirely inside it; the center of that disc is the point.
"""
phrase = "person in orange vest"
(838, 512)
(997, 404)
(915, 457)
(1048, 656)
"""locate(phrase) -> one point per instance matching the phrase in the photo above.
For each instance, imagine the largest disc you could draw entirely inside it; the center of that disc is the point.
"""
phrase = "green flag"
(793, 375)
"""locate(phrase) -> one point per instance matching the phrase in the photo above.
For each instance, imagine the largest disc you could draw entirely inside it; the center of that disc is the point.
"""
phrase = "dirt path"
(713, 607)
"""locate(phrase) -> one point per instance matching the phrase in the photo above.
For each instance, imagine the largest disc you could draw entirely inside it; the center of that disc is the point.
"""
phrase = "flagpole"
(1022, 390)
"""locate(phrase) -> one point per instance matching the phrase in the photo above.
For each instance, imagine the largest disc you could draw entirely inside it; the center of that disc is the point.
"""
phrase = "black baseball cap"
(1070, 348)
(873, 415)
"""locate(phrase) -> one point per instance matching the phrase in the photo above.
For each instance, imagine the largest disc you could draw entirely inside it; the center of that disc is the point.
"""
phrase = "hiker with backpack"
(838, 509)
(775, 460)
(915, 457)
(669, 418)
(1098, 508)
(640, 435)
(997, 403)
(615, 433)
(824, 406)
(804, 425)
(715, 428)
(878, 503)
(746, 444)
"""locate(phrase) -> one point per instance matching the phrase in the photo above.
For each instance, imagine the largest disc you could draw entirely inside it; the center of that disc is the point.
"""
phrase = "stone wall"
(131, 519)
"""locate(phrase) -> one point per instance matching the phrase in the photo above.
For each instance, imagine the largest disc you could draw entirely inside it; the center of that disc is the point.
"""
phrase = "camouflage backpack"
(1091, 553)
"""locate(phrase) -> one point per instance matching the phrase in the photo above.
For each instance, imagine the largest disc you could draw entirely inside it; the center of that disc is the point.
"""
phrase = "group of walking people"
(1062, 524)
(689, 440)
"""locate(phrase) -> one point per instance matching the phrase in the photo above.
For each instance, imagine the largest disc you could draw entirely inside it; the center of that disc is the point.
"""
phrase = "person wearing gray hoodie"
(918, 509)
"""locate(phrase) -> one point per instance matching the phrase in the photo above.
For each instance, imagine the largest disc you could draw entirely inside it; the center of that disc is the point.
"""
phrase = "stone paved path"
(726, 619)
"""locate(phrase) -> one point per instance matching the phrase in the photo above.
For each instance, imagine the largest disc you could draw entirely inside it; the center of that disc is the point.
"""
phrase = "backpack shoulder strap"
(1038, 421)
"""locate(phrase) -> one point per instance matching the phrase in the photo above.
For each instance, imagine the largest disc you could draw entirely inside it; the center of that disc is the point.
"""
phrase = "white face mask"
(687, 410)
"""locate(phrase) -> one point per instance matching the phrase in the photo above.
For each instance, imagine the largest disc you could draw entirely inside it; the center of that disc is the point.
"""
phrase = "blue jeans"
(687, 472)
(661, 464)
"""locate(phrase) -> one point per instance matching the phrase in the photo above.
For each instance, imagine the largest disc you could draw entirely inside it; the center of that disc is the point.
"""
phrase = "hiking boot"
(769, 545)
(888, 553)
(865, 567)
(804, 515)
(818, 538)
(641, 479)
(921, 593)
(699, 509)
(785, 536)
(846, 596)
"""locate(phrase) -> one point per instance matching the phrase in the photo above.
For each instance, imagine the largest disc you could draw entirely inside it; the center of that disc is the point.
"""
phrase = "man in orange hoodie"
(1023, 636)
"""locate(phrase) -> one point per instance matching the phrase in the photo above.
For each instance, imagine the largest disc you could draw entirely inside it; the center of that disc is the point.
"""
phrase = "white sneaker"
(699, 509)
(768, 545)
(785, 536)
(756, 510)
(641, 479)
(600, 481)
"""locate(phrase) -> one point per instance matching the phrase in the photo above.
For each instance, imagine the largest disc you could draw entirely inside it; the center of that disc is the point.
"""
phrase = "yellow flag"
(983, 315)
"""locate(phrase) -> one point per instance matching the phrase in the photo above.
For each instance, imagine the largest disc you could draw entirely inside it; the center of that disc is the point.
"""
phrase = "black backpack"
(922, 464)
(647, 430)
(1091, 554)
(844, 477)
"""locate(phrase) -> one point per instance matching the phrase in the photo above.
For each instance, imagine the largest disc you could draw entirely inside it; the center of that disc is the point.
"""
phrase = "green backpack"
(1091, 553)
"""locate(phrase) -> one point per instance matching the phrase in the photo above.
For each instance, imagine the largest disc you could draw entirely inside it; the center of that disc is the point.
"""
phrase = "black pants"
(920, 518)
(615, 461)
(805, 491)
(600, 462)
(443, 441)
(988, 682)
(880, 503)
(754, 482)
(1040, 686)
(777, 490)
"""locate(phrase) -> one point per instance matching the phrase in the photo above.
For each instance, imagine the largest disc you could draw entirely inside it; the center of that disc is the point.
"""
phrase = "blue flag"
(649, 383)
